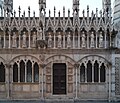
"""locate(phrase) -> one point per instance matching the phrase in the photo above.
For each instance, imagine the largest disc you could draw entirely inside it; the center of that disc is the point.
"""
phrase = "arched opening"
(36, 72)
(89, 71)
(2, 72)
(82, 73)
(29, 71)
(96, 71)
(102, 73)
(15, 72)
(22, 71)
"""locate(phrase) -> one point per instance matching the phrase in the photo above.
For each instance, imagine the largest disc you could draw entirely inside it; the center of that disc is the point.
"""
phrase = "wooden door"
(59, 78)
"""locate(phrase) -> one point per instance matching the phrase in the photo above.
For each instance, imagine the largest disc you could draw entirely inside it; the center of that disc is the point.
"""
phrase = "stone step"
(52, 101)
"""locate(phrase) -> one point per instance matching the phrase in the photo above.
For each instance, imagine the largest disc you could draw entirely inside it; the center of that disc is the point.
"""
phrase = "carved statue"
(39, 34)
(68, 40)
(83, 40)
(34, 39)
(101, 40)
(92, 43)
(24, 40)
(14, 42)
(49, 41)
(59, 40)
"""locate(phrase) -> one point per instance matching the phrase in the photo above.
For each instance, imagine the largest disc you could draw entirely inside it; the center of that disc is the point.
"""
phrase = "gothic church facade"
(72, 58)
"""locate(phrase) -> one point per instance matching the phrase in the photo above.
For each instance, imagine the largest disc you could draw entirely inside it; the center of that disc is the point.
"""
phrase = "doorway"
(59, 78)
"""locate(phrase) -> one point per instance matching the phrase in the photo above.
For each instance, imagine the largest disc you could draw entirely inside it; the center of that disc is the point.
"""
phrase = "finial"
(63, 11)
(19, 10)
(54, 11)
(29, 11)
(100, 13)
(83, 13)
(59, 13)
(24, 13)
(96, 10)
(68, 12)
(64, 8)
(92, 14)
(33, 13)
(49, 12)
(14, 13)
(87, 8)
(54, 8)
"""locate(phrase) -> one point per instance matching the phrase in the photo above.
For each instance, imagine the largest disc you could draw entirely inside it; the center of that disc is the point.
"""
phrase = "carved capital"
(8, 65)
(43, 65)
(76, 65)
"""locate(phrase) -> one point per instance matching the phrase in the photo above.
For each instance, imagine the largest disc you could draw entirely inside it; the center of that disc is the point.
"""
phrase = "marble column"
(54, 40)
(43, 80)
(29, 45)
(4, 46)
(76, 80)
(63, 39)
(9, 40)
(8, 79)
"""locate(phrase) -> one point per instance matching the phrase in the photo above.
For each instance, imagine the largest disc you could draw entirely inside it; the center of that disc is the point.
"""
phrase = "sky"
(93, 4)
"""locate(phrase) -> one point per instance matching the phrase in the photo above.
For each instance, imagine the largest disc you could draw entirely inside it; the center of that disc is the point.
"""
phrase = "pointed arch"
(96, 71)
(89, 71)
(15, 72)
(95, 68)
(29, 71)
(95, 57)
(64, 58)
(102, 73)
(2, 72)
(82, 73)
(36, 72)
(22, 71)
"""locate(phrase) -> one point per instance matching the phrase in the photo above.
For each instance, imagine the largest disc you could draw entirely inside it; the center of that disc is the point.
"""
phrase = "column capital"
(43, 65)
(76, 65)
(8, 65)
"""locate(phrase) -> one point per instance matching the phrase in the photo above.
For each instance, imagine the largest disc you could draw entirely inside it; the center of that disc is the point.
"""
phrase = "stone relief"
(101, 40)
(69, 40)
(24, 40)
(59, 40)
(49, 41)
(92, 40)
(34, 40)
(14, 42)
(83, 40)
(39, 34)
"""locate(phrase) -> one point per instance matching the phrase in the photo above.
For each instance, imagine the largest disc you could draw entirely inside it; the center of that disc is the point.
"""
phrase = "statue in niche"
(101, 40)
(59, 40)
(24, 40)
(83, 40)
(39, 34)
(14, 42)
(69, 40)
(49, 41)
(34, 39)
(92, 42)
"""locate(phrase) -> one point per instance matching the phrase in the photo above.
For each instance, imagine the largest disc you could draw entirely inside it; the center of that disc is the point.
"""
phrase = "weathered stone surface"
(26, 88)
